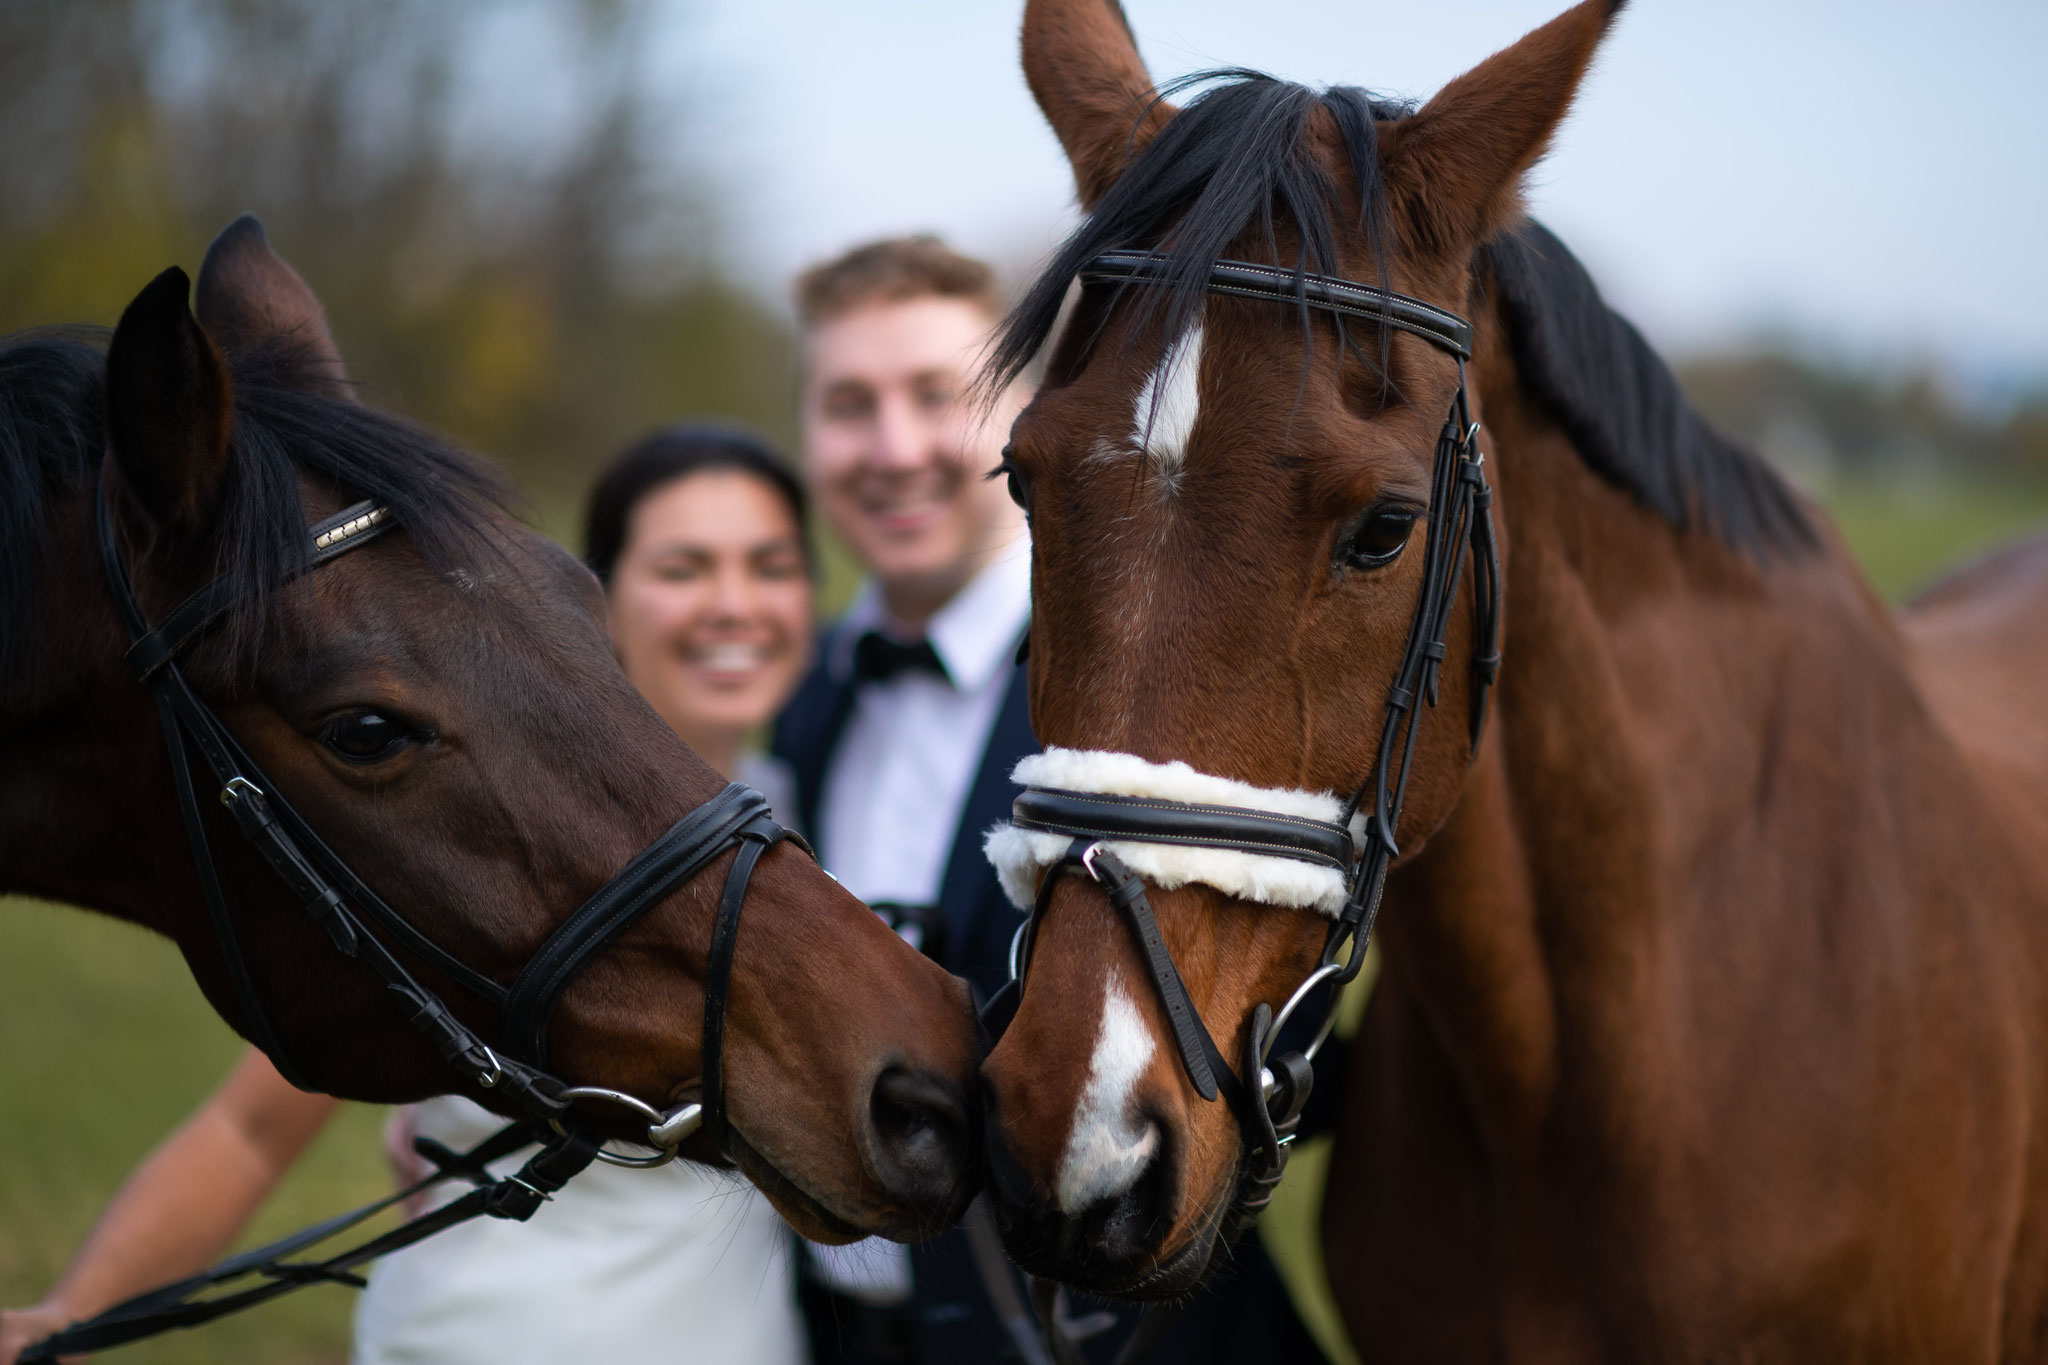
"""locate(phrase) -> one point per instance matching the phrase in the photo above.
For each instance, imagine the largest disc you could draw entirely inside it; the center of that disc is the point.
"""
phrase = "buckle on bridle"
(666, 1132)
(1088, 861)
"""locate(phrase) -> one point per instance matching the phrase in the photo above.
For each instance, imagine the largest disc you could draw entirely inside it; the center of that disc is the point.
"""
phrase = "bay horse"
(441, 706)
(1712, 1022)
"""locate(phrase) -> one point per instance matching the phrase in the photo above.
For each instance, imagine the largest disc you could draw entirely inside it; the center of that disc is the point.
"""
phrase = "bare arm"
(186, 1202)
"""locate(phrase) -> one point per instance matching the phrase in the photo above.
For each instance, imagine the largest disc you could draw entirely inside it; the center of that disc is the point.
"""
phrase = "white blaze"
(1168, 402)
(1111, 1143)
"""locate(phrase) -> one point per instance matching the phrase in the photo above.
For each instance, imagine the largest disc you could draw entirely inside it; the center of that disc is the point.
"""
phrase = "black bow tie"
(877, 658)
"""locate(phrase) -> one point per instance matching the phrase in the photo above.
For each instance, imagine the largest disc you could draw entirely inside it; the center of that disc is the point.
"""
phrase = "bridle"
(1459, 516)
(340, 902)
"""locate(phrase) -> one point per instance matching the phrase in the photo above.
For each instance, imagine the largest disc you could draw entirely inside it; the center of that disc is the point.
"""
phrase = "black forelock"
(1236, 158)
(53, 435)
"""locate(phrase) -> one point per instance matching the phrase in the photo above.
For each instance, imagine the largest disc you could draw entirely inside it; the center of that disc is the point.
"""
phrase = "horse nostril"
(923, 1140)
(1124, 1228)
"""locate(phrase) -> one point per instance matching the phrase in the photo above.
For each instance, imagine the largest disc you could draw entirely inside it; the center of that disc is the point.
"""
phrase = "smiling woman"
(699, 535)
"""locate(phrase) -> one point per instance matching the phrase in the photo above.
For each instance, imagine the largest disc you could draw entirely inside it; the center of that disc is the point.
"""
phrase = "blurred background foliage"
(544, 297)
(526, 256)
(1917, 469)
(528, 261)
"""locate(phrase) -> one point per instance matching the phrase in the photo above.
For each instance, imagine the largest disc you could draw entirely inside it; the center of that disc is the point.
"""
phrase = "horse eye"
(1018, 492)
(366, 736)
(1379, 538)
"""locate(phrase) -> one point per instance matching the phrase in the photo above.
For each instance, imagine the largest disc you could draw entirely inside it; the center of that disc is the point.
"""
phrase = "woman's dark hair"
(673, 453)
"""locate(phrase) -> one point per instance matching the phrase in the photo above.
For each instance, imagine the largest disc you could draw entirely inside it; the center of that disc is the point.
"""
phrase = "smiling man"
(915, 706)
(894, 446)
(903, 736)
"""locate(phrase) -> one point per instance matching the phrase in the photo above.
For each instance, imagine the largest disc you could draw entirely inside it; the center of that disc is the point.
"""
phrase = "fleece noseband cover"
(1276, 845)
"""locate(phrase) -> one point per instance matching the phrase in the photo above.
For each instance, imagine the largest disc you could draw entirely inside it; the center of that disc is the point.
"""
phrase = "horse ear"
(1084, 70)
(1455, 167)
(248, 296)
(169, 406)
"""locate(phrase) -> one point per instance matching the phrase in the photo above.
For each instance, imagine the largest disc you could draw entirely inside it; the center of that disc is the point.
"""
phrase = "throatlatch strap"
(254, 1017)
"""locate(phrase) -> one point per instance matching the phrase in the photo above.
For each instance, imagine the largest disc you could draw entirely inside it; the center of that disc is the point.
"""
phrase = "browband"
(186, 622)
(1247, 279)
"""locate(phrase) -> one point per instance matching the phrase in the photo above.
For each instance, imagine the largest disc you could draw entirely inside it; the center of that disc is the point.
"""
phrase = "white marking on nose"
(1111, 1144)
(1168, 402)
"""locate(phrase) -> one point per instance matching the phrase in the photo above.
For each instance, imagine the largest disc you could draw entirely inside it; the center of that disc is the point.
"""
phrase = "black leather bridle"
(340, 902)
(1459, 517)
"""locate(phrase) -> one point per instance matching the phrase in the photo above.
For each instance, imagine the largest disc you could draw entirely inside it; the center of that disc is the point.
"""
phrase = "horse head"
(443, 707)
(1231, 497)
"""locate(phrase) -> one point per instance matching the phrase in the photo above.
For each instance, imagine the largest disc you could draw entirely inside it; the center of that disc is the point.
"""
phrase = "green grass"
(1907, 535)
(105, 1043)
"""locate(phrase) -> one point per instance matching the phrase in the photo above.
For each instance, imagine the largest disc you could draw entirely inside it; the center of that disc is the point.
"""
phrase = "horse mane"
(1622, 407)
(1236, 156)
(53, 436)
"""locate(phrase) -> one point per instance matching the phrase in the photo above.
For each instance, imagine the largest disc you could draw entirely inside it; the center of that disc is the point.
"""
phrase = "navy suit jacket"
(1243, 1317)
(979, 919)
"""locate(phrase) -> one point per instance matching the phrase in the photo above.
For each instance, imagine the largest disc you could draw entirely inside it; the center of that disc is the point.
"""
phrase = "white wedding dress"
(678, 1263)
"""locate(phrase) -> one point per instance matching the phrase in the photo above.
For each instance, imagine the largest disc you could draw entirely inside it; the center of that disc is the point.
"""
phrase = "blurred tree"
(1820, 422)
(472, 188)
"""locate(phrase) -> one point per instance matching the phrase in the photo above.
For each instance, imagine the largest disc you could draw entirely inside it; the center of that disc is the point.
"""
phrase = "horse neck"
(1652, 746)
(72, 724)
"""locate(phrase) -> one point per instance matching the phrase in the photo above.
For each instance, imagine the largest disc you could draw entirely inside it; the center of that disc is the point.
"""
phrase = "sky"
(1862, 179)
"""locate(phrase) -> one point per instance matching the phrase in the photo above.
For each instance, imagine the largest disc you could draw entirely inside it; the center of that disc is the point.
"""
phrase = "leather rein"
(1269, 1099)
(341, 903)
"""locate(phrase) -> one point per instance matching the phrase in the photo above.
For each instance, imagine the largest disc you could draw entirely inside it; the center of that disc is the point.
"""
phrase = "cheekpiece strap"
(756, 837)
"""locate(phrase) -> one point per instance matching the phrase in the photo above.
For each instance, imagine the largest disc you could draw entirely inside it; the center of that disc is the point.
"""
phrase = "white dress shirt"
(898, 781)
(901, 772)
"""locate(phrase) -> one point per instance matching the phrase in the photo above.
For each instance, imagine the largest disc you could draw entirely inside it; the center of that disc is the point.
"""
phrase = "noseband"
(340, 902)
(1460, 516)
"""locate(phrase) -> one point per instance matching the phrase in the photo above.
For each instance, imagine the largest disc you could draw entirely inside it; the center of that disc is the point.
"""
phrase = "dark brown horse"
(1712, 1022)
(443, 708)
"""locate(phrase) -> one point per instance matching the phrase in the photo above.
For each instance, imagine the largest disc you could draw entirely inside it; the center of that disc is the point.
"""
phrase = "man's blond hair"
(894, 270)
